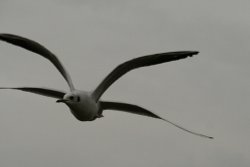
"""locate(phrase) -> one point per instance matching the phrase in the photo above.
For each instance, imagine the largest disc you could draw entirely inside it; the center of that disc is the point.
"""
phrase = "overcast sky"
(208, 93)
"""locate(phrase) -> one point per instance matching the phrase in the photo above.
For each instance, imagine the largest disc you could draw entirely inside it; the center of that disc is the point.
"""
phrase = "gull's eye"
(71, 97)
(78, 99)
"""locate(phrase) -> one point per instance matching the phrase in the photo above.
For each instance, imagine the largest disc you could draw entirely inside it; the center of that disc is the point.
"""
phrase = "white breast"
(85, 110)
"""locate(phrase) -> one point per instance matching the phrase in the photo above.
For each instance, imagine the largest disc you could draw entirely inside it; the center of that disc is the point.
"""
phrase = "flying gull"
(86, 105)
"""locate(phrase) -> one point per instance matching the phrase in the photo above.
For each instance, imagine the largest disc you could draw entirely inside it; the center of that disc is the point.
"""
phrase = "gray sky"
(208, 93)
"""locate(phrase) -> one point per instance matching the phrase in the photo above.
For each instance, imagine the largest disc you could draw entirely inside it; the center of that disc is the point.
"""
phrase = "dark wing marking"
(41, 91)
(141, 111)
(39, 49)
(136, 63)
(105, 105)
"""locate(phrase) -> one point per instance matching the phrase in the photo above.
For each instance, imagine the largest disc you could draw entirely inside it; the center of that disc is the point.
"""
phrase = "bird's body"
(86, 105)
(87, 109)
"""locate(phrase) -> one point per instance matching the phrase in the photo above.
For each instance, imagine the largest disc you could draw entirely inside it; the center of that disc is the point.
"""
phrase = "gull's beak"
(61, 101)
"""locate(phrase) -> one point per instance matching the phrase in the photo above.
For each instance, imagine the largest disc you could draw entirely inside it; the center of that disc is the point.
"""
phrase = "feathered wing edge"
(130, 108)
(41, 91)
(35, 47)
(143, 61)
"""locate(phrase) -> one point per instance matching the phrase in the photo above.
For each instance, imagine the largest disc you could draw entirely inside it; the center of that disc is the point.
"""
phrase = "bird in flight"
(86, 105)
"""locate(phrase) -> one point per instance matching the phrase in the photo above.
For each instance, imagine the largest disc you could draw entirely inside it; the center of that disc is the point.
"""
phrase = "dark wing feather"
(136, 63)
(41, 91)
(39, 49)
(141, 111)
(127, 108)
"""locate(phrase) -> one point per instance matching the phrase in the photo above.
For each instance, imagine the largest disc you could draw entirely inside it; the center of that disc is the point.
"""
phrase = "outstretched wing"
(136, 63)
(41, 91)
(39, 49)
(141, 111)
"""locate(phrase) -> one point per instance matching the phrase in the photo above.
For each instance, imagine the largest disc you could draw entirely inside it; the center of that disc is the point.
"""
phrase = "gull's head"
(70, 98)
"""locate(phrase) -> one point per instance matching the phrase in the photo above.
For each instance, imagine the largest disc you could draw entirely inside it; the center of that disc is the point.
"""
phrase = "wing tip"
(5, 36)
(4, 88)
(196, 52)
(191, 53)
(8, 37)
